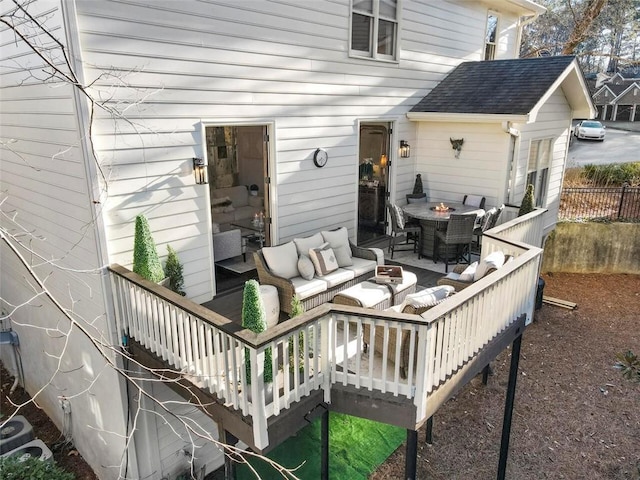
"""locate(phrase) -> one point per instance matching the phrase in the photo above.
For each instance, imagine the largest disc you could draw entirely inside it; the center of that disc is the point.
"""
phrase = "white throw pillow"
(324, 259)
(468, 273)
(493, 260)
(305, 267)
(282, 260)
(429, 296)
(304, 244)
(339, 242)
(399, 216)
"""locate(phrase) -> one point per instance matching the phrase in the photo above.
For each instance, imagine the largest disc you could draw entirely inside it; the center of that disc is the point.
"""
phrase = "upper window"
(374, 28)
(491, 37)
(538, 169)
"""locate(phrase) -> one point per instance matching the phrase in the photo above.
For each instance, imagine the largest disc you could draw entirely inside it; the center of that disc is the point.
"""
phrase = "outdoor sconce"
(199, 171)
(456, 144)
(405, 149)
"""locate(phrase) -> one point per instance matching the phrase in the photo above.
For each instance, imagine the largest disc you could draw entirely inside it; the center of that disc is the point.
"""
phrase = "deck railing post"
(508, 407)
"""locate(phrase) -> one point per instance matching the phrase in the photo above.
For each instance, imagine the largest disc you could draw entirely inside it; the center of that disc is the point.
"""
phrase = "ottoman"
(365, 294)
(399, 291)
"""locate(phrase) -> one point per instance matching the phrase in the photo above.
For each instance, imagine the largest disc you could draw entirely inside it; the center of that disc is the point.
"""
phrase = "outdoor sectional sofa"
(316, 267)
(464, 275)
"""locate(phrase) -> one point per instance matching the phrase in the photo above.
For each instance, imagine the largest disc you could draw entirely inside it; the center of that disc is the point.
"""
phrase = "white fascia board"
(465, 117)
(530, 6)
(580, 101)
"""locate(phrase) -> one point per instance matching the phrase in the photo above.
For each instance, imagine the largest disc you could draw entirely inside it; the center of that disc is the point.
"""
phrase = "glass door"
(373, 180)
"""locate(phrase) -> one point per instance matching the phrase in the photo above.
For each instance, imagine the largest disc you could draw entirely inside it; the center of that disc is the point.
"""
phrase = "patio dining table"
(432, 219)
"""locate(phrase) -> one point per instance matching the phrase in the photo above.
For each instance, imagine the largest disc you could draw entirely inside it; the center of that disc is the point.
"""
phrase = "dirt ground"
(574, 416)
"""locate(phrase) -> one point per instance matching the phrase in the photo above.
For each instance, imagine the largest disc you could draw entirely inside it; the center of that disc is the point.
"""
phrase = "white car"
(591, 129)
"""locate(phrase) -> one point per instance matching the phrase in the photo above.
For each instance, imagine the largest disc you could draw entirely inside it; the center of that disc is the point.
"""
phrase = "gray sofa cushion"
(339, 242)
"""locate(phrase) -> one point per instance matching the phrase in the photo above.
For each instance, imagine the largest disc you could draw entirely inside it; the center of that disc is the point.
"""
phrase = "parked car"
(590, 129)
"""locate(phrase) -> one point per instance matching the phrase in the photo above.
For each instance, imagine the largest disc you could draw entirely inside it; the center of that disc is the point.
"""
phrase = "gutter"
(467, 117)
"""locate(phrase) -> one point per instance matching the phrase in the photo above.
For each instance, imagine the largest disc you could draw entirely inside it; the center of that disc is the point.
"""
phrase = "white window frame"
(487, 44)
(375, 15)
(539, 168)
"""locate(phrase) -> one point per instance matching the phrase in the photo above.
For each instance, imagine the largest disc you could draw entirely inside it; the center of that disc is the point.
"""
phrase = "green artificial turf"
(356, 448)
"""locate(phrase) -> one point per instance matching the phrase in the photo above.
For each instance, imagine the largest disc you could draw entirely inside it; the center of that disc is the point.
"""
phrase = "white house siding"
(258, 62)
(481, 168)
(553, 121)
(172, 448)
(46, 204)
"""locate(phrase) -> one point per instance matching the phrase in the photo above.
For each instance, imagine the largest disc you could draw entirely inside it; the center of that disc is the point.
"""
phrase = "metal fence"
(600, 203)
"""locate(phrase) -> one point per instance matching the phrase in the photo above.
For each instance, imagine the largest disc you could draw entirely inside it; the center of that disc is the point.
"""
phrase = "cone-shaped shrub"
(173, 269)
(254, 318)
(527, 205)
(417, 186)
(146, 262)
(297, 308)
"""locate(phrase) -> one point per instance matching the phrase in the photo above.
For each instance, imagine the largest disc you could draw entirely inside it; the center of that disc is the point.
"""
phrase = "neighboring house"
(254, 88)
(618, 98)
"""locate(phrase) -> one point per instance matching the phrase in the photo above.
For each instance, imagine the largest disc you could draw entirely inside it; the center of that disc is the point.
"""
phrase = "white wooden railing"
(208, 350)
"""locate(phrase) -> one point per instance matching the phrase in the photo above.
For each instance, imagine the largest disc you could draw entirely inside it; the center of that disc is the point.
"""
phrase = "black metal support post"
(429, 431)
(485, 375)
(411, 455)
(229, 462)
(324, 439)
(508, 407)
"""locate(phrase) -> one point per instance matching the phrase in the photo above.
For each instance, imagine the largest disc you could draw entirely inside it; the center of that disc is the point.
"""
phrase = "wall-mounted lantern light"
(199, 171)
(405, 149)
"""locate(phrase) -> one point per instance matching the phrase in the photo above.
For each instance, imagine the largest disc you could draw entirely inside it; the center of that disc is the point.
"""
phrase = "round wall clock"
(320, 157)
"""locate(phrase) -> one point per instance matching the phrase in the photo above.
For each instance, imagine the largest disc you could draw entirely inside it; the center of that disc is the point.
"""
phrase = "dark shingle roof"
(509, 87)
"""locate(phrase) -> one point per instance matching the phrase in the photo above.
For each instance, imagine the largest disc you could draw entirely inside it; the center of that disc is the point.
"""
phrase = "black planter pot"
(416, 197)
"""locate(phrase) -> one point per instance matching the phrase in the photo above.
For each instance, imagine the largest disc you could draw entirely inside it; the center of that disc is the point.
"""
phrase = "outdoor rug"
(356, 448)
(237, 264)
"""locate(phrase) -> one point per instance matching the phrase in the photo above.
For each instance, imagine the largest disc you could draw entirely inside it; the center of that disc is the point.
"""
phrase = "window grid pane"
(386, 37)
(361, 33)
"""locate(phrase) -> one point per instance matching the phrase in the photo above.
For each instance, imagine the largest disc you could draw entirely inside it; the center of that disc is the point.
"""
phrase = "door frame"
(270, 186)
(392, 154)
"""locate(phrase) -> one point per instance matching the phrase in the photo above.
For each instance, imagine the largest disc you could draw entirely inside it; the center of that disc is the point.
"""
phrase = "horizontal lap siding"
(256, 62)
(48, 206)
(479, 170)
(553, 121)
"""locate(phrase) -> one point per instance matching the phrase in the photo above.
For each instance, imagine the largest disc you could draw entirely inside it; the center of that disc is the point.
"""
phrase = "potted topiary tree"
(418, 194)
(146, 262)
(528, 202)
(254, 318)
(173, 269)
(297, 308)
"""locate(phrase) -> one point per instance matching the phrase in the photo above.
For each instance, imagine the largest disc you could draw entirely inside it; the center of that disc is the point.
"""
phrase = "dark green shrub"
(146, 262)
(417, 186)
(15, 468)
(254, 318)
(528, 202)
(629, 365)
(297, 308)
(173, 270)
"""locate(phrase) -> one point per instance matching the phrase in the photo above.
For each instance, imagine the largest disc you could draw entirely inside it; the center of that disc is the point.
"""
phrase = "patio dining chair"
(474, 201)
(459, 234)
(485, 223)
(400, 229)
(496, 217)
